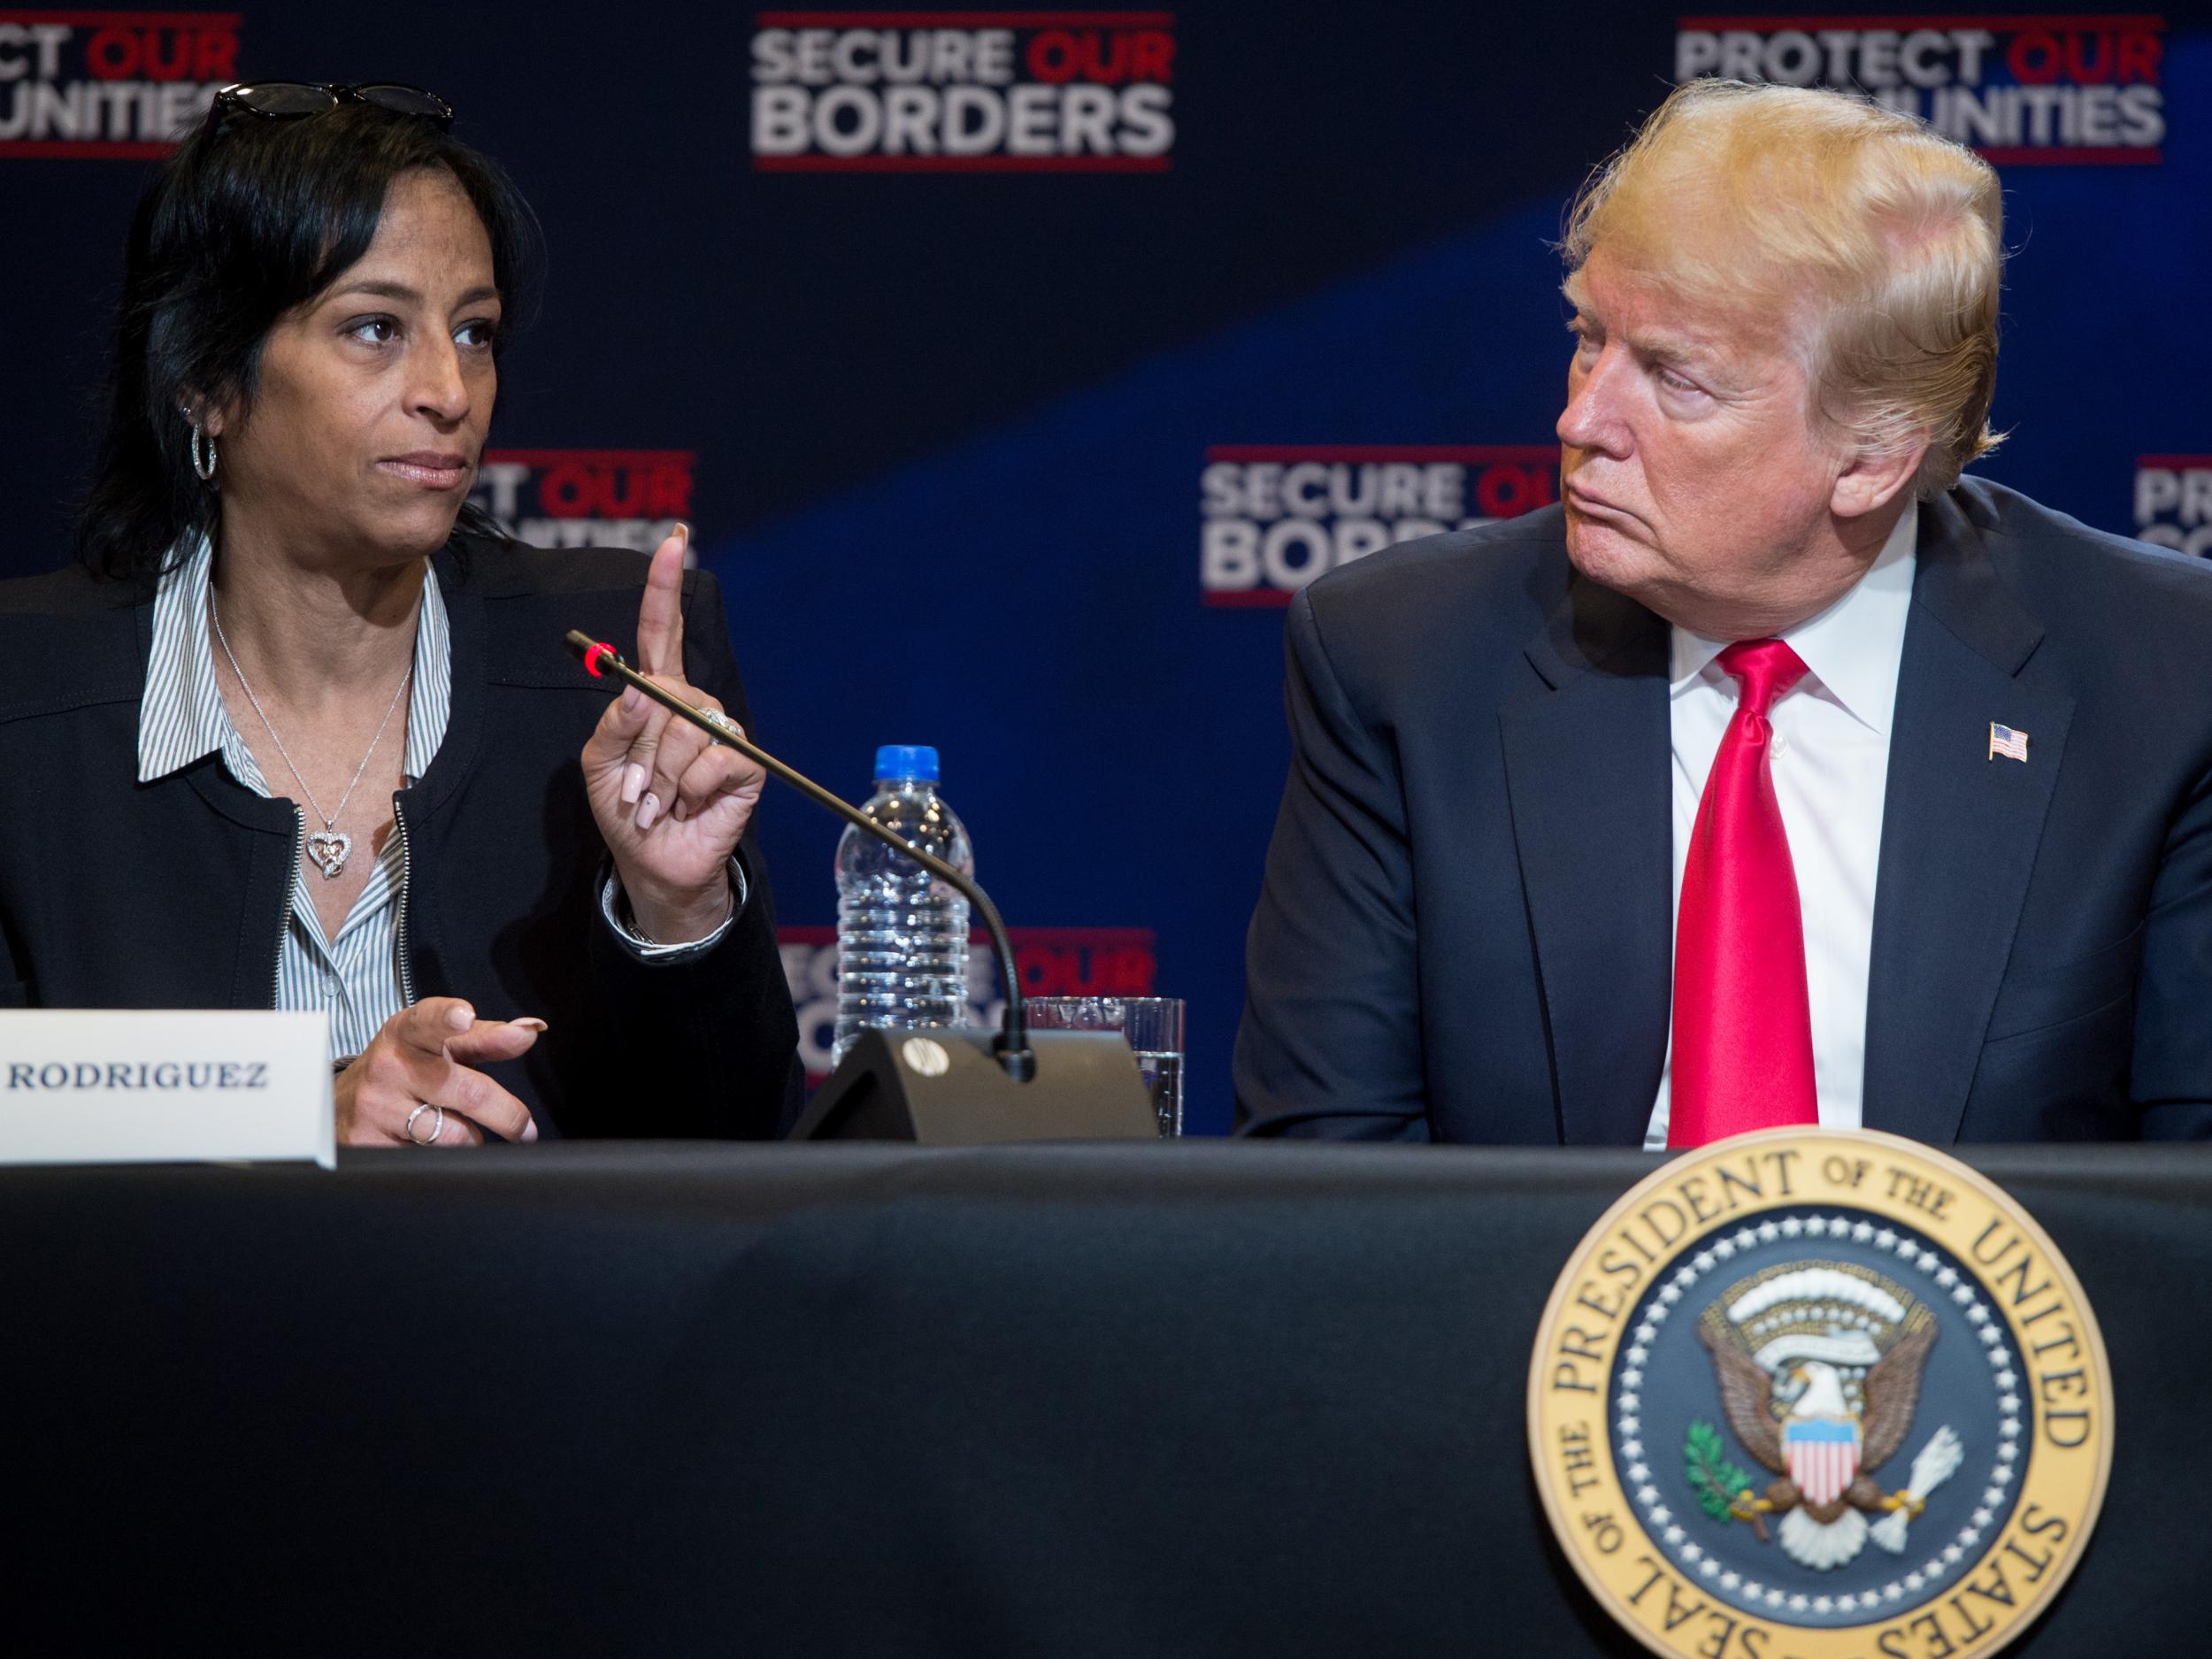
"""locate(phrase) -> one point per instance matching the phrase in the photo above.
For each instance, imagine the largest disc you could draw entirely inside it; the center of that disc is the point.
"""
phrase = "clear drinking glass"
(1154, 1028)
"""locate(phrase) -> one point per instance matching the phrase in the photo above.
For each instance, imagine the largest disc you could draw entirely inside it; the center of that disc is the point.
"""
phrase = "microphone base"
(946, 1087)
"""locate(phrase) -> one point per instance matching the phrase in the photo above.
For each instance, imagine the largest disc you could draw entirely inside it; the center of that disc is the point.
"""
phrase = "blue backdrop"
(933, 323)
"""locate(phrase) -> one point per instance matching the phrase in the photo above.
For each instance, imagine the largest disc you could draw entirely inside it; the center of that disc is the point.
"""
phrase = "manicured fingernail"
(648, 811)
(462, 1017)
(632, 776)
(530, 1130)
(632, 700)
(684, 530)
(529, 1022)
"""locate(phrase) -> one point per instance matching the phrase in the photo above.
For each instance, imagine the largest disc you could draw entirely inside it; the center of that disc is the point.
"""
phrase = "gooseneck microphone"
(1011, 1047)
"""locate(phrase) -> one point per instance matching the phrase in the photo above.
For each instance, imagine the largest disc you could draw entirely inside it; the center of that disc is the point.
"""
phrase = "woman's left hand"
(671, 803)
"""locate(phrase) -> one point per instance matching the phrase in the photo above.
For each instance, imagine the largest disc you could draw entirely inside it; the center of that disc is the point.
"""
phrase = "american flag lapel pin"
(2006, 741)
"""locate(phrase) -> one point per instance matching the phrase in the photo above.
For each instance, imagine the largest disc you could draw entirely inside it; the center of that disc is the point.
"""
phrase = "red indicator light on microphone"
(593, 656)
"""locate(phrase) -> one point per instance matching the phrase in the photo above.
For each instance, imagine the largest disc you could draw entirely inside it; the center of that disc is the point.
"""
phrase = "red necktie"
(1743, 1025)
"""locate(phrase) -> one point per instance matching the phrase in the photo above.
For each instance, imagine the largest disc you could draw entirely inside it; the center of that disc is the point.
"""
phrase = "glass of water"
(1154, 1028)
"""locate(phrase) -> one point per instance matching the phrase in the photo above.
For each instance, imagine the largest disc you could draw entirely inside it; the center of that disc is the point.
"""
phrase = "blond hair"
(1764, 198)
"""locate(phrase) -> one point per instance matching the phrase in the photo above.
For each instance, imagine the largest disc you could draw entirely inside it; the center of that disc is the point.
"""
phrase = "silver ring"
(437, 1124)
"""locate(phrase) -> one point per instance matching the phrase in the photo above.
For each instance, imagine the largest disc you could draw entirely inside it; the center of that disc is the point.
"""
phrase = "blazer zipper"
(284, 916)
(406, 901)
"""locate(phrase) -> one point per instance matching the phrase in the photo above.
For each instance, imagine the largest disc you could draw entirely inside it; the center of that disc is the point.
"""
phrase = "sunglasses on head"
(292, 100)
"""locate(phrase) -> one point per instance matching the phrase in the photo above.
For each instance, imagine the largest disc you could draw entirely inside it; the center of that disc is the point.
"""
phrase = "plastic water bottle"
(902, 934)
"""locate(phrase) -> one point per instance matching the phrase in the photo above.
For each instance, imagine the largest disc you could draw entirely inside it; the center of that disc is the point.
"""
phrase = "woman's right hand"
(422, 1056)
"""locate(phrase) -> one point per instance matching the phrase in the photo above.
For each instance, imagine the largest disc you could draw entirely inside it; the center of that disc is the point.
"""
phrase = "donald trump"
(1780, 774)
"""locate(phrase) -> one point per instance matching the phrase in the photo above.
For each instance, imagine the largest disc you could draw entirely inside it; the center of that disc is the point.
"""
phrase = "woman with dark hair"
(300, 732)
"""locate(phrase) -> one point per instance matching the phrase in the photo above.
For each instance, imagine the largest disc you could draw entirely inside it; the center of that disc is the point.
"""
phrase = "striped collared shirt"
(182, 717)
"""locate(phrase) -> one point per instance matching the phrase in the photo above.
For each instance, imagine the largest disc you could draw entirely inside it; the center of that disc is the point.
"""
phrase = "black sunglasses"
(291, 100)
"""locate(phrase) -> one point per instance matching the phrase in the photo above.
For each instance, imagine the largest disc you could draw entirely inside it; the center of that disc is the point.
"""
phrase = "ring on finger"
(437, 1125)
(722, 723)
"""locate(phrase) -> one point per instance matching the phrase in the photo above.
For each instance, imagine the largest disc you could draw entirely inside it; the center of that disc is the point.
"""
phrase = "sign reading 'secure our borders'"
(1275, 517)
(1820, 1395)
(963, 91)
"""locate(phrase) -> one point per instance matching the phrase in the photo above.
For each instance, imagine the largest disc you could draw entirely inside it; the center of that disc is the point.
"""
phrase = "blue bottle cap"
(906, 760)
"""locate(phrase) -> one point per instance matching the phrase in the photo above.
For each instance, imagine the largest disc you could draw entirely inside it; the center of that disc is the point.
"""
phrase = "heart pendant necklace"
(330, 846)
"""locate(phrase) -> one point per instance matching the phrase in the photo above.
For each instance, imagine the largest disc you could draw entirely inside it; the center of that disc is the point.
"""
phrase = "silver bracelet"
(630, 920)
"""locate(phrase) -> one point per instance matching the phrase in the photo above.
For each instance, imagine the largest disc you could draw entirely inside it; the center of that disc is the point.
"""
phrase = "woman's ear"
(211, 414)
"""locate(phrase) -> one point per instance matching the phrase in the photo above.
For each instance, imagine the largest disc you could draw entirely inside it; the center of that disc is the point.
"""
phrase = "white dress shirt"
(1831, 760)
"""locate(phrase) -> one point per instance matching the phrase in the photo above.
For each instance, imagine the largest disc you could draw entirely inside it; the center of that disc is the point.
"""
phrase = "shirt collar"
(181, 715)
(1851, 650)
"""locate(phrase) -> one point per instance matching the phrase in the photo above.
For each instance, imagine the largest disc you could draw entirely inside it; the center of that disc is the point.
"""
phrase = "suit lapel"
(1959, 831)
(1586, 772)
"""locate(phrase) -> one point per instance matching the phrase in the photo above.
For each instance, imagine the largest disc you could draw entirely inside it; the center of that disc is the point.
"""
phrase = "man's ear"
(1871, 479)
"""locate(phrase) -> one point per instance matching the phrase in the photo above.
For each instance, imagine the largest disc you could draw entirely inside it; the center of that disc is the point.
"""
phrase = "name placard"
(131, 1086)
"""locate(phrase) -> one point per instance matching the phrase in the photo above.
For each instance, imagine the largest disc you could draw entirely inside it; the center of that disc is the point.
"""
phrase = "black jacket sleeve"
(698, 1045)
(13, 991)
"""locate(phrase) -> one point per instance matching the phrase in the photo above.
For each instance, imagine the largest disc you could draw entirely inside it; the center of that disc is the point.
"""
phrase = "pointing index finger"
(660, 616)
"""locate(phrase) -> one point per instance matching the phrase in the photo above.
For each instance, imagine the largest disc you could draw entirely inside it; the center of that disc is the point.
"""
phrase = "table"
(1177, 1399)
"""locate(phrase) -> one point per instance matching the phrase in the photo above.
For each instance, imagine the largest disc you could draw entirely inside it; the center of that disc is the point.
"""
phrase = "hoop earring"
(204, 467)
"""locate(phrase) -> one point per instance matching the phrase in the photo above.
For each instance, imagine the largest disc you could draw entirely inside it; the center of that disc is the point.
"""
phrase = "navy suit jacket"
(1466, 930)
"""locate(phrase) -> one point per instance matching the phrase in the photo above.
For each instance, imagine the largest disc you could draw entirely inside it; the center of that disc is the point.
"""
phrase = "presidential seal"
(1820, 1395)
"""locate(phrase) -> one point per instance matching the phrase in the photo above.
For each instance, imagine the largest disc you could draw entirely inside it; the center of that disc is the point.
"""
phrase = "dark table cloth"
(1182, 1399)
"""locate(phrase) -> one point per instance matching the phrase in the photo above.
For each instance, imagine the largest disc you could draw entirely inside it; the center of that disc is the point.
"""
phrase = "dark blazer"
(174, 894)
(1465, 931)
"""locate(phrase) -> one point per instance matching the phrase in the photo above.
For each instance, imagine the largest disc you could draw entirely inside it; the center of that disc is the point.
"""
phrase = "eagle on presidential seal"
(1819, 1369)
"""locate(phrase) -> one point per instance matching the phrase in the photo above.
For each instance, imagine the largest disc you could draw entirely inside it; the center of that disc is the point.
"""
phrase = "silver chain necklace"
(330, 848)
